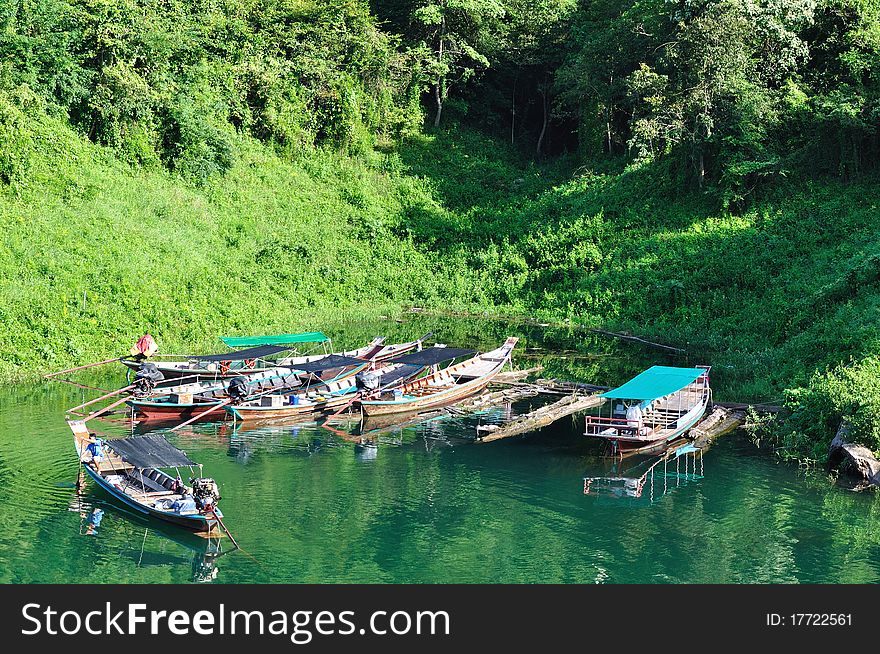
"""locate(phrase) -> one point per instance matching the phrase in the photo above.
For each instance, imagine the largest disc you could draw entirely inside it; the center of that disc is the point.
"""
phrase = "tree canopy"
(728, 93)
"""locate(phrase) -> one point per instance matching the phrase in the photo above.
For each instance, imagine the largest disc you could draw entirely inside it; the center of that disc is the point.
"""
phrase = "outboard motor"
(205, 491)
(367, 380)
(146, 378)
(238, 388)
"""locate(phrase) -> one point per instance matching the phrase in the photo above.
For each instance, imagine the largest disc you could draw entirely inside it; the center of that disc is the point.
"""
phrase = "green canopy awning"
(655, 382)
(278, 339)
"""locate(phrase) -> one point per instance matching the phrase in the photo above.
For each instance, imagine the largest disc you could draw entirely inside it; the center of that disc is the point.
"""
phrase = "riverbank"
(98, 251)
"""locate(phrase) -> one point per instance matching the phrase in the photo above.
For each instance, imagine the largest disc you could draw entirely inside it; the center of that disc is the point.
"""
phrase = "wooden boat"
(129, 470)
(652, 409)
(250, 360)
(442, 387)
(328, 396)
(326, 375)
(184, 401)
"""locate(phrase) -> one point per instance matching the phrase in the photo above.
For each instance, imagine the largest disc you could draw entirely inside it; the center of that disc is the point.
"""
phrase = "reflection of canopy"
(151, 451)
(278, 339)
(240, 355)
(655, 382)
(329, 361)
(432, 355)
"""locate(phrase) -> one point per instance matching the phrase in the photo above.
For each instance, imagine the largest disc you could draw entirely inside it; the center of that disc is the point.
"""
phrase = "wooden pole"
(85, 386)
(88, 365)
(105, 409)
(627, 337)
(220, 522)
(103, 397)
(203, 414)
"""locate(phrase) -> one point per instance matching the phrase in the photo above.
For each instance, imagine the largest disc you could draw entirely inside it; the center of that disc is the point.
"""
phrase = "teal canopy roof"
(655, 382)
(278, 339)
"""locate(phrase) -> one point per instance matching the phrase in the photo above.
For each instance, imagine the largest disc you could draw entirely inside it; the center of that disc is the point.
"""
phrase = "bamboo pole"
(203, 414)
(103, 397)
(84, 386)
(88, 365)
(223, 526)
(105, 409)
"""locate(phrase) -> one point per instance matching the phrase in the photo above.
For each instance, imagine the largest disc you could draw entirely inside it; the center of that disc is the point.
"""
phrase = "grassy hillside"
(772, 293)
(250, 252)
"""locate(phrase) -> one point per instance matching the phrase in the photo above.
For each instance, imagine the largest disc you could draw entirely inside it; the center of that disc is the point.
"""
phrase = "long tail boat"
(305, 373)
(330, 395)
(652, 409)
(254, 358)
(129, 469)
(445, 386)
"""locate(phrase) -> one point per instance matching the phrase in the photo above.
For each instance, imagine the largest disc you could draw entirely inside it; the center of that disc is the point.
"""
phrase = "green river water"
(428, 505)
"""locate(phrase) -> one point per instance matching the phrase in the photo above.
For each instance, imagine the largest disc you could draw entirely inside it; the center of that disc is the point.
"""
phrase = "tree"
(453, 37)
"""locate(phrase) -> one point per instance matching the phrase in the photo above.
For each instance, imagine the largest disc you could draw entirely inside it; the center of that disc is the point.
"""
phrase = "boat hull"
(436, 400)
(482, 368)
(244, 414)
(168, 411)
(196, 523)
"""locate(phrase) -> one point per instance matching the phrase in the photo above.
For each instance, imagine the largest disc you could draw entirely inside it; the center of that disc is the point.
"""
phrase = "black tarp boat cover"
(151, 451)
(259, 352)
(432, 355)
(398, 373)
(327, 362)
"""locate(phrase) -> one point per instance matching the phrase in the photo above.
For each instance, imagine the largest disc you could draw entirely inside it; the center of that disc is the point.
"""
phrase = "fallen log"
(569, 387)
(744, 406)
(719, 422)
(493, 398)
(538, 418)
(628, 337)
(514, 376)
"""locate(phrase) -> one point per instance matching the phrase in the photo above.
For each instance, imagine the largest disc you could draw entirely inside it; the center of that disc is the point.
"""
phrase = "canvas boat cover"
(657, 381)
(432, 355)
(278, 339)
(260, 352)
(330, 361)
(151, 451)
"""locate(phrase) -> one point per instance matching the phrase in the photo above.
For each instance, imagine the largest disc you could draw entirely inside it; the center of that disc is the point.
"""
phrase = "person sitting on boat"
(178, 486)
(183, 504)
(94, 450)
(634, 418)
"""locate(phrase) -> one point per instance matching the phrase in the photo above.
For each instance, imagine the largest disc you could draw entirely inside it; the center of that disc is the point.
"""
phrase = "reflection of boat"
(444, 386)
(366, 450)
(652, 409)
(205, 548)
(656, 478)
(129, 470)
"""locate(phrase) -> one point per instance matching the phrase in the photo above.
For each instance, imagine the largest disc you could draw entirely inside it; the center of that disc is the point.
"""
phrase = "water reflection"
(647, 477)
(145, 541)
(417, 501)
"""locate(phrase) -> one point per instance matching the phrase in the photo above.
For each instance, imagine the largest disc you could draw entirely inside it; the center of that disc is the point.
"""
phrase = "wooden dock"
(538, 418)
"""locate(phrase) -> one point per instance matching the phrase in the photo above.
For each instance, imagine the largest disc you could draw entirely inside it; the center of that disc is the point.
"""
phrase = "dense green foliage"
(700, 172)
